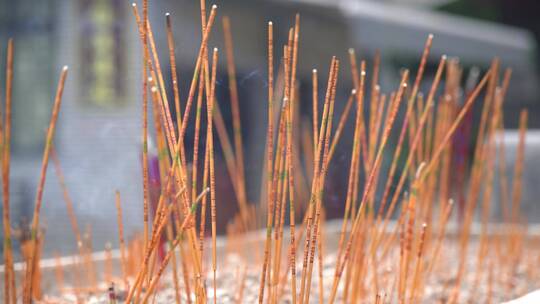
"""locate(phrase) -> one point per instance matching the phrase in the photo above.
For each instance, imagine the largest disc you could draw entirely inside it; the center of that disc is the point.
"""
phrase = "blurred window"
(32, 25)
(102, 52)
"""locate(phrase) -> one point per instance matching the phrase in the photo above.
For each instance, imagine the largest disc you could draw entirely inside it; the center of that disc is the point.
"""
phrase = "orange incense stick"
(270, 156)
(369, 183)
(418, 268)
(277, 185)
(518, 169)
(235, 105)
(360, 103)
(410, 103)
(315, 84)
(146, 58)
(354, 167)
(319, 190)
(9, 273)
(311, 208)
(67, 198)
(197, 71)
(121, 236)
(210, 139)
(174, 75)
(196, 140)
(28, 284)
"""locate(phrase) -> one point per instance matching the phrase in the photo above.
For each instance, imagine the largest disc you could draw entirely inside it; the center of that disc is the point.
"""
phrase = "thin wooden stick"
(369, 184)
(179, 146)
(418, 268)
(230, 159)
(354, 167)
(206, 173)
(502, 158)
(457, 122)
(28, 283)
(121, 236)
(518, 168)
(10, 290)
(320, 255)
(315, 100)
(290, 154)
(67, 198)
(163, 218)
(360, 104)
(474, 188)
(320, 181)
(235, 108)
(404, 127)
(196, 140)
(174, 75)
(198, 111)
(278, 191)
(197, 71)
(312, 203)
(210, 139)
(279, 214)
(144, 135)
(270, 156)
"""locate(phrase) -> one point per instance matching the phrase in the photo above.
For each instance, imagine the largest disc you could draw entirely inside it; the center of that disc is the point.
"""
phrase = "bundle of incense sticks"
(367, 257)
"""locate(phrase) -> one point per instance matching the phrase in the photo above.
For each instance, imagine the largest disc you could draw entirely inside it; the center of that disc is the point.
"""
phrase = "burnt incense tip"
(134, 4)
(430, 36)
(314, 71)
(270, 23)
(154, 89)
(216, 49)
(214, 7)
(351, 51)
(443, 57)
(65, 68)
(424, 225)
(150, 79)
(353, 91)
(167, 14)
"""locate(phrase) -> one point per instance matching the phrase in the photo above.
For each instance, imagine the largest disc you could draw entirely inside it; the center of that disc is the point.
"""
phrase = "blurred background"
(98, 135)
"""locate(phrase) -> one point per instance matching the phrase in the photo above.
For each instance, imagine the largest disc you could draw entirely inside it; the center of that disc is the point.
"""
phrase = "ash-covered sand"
(505, 284)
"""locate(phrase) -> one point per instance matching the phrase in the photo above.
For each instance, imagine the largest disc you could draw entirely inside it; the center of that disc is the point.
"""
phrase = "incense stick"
(121, 236)
(212, 173)
(9, 274)
(28, 283)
